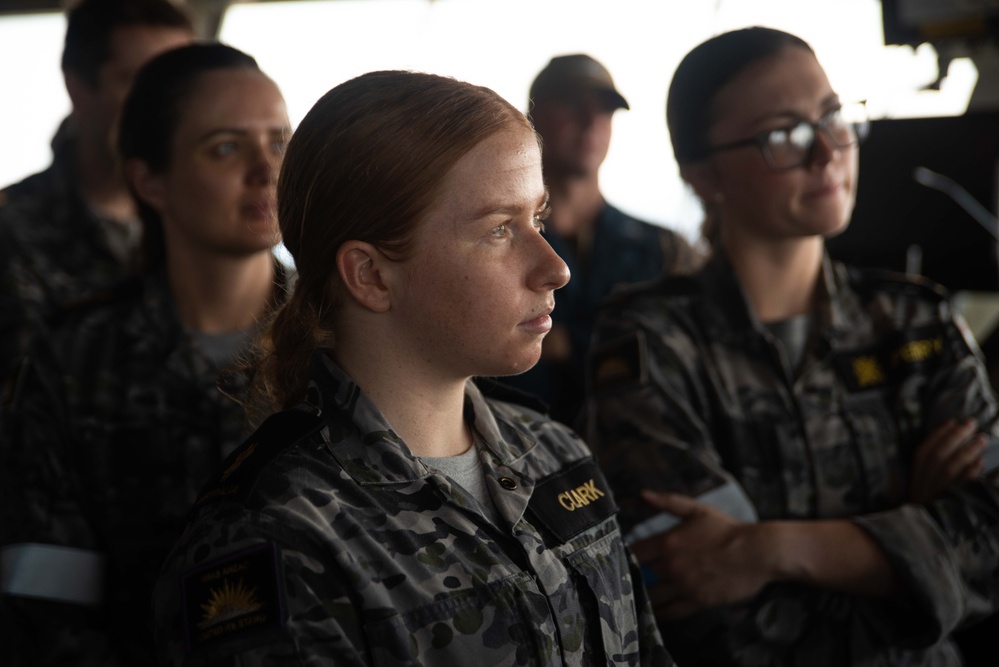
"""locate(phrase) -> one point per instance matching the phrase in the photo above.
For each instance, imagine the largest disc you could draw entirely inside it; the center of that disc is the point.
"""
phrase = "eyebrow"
(282, 131)
(493, 209)
(827, 102)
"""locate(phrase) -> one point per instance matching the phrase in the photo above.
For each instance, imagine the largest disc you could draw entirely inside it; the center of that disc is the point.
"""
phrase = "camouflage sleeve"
(14, 315)
(251, 590)
(647, 419)
(52, 567)
(948, 550)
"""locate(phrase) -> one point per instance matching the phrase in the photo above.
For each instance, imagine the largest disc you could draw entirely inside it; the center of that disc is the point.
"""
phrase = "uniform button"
(508, 483)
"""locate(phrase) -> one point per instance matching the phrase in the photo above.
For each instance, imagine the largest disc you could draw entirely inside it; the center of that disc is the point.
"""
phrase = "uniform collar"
(727, 308)
(361, 440)
(730, 310)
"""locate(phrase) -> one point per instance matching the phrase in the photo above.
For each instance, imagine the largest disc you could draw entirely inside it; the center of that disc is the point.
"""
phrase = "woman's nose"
(550, 272)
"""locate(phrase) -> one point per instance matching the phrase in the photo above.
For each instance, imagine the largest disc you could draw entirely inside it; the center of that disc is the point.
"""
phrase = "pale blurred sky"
(310, 46)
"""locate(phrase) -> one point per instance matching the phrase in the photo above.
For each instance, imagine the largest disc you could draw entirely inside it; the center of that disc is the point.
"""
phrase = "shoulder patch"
(618, 363)
(670, 285)
(572, 500)
(243, 466)
(867, 281)
(234, 595)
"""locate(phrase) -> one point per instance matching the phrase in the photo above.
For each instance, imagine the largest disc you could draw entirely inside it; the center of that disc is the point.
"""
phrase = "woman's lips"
(259, 209)
(540, 324)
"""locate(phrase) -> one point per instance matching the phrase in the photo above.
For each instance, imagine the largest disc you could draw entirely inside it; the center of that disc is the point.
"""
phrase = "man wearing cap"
(572, 101)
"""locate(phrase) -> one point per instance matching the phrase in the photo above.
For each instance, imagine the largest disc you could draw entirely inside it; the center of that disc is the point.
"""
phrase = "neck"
(778, 278)
(423, 407)
(218, 295)
(100, 180)
(575, 202)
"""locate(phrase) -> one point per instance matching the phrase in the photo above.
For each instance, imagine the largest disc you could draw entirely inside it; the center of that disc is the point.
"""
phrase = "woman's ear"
(148, 186)
(362, 269)
(702, 179)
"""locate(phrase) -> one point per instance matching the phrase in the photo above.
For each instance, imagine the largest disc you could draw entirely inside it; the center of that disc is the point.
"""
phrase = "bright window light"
(34, 99)
(310, 46)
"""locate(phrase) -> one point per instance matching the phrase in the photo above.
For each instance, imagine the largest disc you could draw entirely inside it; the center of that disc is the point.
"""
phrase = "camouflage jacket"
(53, 253)
(325, 542)
(690, 393)
(115, 425)
(622, 251)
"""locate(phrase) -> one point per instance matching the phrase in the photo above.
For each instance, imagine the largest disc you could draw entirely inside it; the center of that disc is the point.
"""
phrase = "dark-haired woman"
(826, 433)
(117, 421)
(389, 513)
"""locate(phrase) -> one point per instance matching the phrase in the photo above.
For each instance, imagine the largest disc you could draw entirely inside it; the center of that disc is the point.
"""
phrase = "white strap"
(729, 498)
(990, 459)
(49, 572)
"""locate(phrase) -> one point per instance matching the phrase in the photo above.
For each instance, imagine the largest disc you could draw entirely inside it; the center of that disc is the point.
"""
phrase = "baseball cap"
(569, 76)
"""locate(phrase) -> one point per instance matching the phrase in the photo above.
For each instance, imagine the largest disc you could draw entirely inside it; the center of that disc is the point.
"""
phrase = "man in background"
(72, 229)
(572, 102)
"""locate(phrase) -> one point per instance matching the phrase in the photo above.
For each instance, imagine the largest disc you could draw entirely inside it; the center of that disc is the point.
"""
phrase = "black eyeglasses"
(792, 146)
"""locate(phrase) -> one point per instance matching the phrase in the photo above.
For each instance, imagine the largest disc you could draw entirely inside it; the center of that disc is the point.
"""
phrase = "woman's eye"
(779, 137)
(279, 147)
(541, 216)
(224, 149)
(499, 231)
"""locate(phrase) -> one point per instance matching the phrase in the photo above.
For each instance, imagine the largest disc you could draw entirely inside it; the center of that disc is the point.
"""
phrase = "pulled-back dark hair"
(366, 163)
(153, 110)
(91, 24)
(703, 72)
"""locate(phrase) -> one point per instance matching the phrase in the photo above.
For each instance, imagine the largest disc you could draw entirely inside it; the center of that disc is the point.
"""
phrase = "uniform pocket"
(603, 566)
(878, 477)
(505, 623)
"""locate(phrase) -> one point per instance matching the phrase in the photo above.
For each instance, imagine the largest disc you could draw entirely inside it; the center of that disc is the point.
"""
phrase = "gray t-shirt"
(466, 470)
(793, 335)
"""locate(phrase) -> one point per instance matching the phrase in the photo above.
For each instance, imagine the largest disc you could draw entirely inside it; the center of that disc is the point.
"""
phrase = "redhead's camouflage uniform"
(325, 542)
(690, 393)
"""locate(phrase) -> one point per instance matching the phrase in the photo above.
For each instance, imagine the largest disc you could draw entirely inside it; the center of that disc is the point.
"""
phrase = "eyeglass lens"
(790, 147)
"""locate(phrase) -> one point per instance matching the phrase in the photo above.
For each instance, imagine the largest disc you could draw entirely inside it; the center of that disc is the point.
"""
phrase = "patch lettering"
(572, 501)
(581, 496)
(231, 596)
(890, 362)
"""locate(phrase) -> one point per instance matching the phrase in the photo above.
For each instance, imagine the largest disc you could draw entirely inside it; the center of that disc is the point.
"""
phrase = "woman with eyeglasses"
(801, 450)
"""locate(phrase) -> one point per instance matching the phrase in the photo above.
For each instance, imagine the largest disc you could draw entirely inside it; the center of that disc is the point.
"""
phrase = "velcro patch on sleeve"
(619, 363)
(233, 596)
(572, 501)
